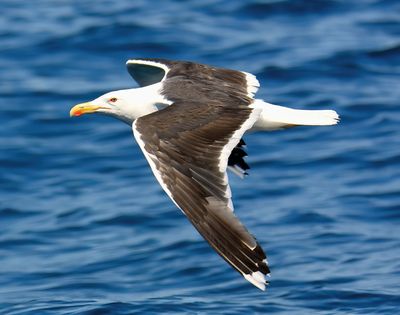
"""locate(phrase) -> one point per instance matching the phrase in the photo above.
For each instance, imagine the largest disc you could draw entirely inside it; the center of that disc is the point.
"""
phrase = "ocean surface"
(85, 228)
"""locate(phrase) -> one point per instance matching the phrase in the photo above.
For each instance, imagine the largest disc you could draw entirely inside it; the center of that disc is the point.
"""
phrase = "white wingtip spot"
(237, 171)
(257, 279)
(252, 84)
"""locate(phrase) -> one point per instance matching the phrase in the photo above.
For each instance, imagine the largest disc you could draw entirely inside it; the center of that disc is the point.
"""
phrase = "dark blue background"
(85, 228)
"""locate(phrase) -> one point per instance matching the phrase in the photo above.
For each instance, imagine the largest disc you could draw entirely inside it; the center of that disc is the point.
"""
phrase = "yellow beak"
(83, 108)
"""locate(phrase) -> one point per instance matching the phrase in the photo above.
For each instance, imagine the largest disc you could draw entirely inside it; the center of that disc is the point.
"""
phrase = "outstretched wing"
(146, 71)
(188, 80)
(187, 146)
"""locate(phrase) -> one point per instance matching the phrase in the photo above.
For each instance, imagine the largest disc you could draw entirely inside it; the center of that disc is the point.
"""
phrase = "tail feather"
(277, 117)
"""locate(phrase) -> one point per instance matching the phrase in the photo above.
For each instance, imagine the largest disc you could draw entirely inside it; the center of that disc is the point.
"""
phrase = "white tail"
(275, 117)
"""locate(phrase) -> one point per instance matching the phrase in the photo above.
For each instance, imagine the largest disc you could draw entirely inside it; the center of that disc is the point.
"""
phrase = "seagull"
(189, 119)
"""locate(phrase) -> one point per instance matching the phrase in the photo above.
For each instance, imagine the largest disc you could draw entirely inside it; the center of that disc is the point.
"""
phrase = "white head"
(126, 105)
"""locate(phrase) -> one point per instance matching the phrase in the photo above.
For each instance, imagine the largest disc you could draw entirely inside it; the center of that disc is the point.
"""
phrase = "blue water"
(85, 228)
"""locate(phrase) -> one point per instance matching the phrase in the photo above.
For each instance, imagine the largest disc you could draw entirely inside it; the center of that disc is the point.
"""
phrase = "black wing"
(187, 146)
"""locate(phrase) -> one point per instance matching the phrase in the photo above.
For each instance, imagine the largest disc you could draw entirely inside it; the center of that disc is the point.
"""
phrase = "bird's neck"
(145, 101)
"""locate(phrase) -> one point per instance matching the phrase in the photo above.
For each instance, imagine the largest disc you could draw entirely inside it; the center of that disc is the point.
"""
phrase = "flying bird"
(189, 120)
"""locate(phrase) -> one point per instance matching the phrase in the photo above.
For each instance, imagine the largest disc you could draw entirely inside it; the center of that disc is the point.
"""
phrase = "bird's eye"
(112, 100)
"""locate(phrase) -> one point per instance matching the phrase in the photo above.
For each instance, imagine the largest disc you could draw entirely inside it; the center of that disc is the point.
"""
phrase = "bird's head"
(120, 104)
(126, 105)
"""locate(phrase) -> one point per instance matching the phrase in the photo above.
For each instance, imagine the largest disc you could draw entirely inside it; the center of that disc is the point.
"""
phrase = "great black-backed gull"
(188, 120)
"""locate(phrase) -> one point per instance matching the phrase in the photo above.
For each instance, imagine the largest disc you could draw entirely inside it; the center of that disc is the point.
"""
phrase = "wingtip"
(134, 61)
(257, 279)
(131, 61)
(252, 84)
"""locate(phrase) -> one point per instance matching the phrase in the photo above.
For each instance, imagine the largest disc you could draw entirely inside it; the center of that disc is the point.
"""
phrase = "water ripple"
(85, 227)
